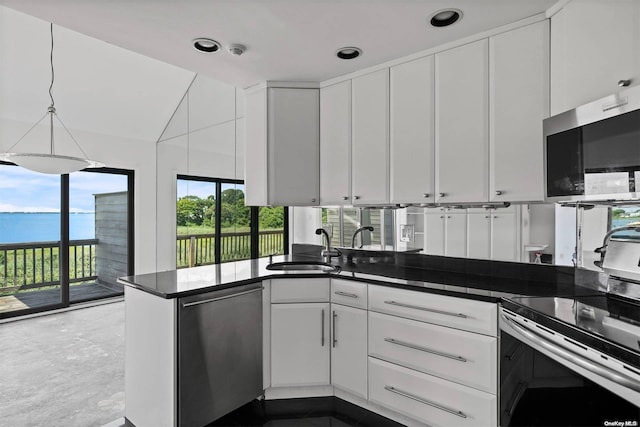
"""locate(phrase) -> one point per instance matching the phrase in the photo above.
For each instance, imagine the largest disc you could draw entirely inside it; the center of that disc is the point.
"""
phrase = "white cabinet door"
(594, 44)
(282, 153)
(462, 123)
(294, 146)
(434, 233)
(300, 344)
(370, 138)
(519, 101)
(456, 235)
(412, 132)
(504, 237)
(335, 144)
(479, 235)
(349, 349)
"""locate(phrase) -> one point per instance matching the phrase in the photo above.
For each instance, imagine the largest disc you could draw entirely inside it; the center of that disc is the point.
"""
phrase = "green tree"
(271, 218)
(617, 213)
(190, 210)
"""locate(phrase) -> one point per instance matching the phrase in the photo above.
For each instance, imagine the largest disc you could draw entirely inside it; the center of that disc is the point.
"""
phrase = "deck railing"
(199, 249)
(36, 264)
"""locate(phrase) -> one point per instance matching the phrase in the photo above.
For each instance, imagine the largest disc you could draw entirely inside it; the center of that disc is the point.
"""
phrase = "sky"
(24, 191)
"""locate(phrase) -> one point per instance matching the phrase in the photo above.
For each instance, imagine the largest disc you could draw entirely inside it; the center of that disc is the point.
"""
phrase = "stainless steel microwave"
(592, 153)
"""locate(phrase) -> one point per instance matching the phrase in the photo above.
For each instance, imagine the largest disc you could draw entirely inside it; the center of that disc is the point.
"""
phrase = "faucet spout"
(602, 250)
(327, 252)
(359, 230)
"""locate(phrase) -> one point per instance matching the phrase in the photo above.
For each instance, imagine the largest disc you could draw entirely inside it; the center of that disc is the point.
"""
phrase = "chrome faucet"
(602, 250)
(359, 230)
(328, 251)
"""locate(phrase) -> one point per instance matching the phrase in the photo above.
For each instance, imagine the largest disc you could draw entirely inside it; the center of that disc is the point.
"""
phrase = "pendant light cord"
(51, 62)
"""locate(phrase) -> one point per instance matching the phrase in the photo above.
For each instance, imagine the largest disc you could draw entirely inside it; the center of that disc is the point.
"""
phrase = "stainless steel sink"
(321, 267)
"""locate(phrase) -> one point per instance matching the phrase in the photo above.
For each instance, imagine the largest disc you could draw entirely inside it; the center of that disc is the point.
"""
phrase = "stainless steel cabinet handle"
(426, 350)
(425, 401)
(572, 356)
(442, 194)
(205, 301)
(345, 198)
(356, 197)
(432, 310)
(335, 317)
(313, 200)
(425, 195)
(346, 294)
(498, 193)
(487, 216)
(322, 329)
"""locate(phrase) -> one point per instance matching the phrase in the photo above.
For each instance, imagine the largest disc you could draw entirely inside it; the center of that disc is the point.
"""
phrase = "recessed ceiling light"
(445, 17)
(348, 52)
(206, 45)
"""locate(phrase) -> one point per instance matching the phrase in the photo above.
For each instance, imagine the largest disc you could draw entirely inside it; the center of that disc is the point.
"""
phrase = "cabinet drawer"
(455, 355)
(299, 290)
(349, 293)
(459, 313)
(429, 399)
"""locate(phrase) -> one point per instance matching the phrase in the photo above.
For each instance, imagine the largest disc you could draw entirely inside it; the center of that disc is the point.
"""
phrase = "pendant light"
(50, 162)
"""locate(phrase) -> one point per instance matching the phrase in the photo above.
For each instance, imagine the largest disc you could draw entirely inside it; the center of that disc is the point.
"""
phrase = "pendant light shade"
(50, 162)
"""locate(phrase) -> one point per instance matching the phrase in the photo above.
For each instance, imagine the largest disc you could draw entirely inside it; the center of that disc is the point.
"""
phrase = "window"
(63, 239)
(214, 225)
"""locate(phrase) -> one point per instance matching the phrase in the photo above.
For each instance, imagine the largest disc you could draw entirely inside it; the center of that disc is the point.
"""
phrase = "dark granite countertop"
(487, 283)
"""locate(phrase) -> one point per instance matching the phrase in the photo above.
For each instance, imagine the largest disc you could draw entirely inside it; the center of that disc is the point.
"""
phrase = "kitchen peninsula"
(328, 334)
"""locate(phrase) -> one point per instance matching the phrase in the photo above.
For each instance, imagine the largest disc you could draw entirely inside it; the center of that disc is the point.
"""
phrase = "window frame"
(63, 266)
(254, 227)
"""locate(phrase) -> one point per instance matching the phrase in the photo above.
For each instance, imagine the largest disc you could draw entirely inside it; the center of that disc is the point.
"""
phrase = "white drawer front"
(299, 290)
(463, 357)
(349, 293)
(429, 399)
(460, 313)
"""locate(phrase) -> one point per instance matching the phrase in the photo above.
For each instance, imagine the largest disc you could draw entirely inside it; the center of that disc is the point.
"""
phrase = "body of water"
(43, 227)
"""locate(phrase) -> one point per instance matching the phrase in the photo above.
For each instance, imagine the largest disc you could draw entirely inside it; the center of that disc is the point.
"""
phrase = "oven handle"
(574, 357)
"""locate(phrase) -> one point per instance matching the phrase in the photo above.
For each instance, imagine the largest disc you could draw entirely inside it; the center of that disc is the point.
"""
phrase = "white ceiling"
(286, 39)
(98, 87)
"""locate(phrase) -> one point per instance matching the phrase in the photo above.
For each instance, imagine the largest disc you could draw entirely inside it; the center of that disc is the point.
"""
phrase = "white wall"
(205, 137)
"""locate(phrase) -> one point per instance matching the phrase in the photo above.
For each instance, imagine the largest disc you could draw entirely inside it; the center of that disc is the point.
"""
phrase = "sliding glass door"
(30, 243)
(63, 239)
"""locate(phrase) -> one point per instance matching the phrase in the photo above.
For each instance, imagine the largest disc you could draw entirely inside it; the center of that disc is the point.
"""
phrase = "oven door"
(548, 379)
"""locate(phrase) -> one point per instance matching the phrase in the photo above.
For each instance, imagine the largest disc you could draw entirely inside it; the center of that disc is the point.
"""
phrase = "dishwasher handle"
(206, 301)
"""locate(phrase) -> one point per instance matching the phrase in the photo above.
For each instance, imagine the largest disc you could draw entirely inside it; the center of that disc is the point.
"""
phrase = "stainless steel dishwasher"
(219, 353)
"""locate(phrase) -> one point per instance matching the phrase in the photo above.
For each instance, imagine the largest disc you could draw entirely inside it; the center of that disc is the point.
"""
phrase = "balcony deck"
(40, 298)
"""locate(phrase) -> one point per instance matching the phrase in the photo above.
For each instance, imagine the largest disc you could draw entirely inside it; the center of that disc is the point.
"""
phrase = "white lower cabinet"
(431, 358)
(299, 332)
(349, 349)
(455, 355)
(300, 344)
(429, 399)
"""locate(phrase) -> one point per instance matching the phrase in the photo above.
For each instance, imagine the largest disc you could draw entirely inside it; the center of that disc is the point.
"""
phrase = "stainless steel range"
(575, 360)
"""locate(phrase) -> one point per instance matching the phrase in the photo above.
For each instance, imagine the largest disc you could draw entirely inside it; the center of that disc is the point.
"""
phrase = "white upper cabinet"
(335, 144)
(504, 236)
(282, 151)
(594, 44)
(479, 235)
(519, 101)
(412, 132)
(462, 123)
(370, 139)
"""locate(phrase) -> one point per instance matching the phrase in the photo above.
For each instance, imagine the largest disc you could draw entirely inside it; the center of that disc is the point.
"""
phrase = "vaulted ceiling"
(122, 66)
